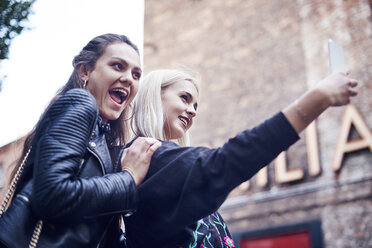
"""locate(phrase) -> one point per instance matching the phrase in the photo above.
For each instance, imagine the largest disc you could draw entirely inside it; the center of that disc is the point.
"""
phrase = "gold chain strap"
(36, 234)
(9, 194)
(13, 184)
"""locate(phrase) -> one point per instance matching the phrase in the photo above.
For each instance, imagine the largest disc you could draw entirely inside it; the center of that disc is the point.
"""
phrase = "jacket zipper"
(99, 160)
(103, 172)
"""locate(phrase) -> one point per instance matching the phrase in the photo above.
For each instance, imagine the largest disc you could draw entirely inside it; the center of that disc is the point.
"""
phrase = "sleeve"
(185, 184)
(60, 141)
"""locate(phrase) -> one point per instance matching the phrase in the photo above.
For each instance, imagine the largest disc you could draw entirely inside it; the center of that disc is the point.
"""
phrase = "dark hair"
(88, 56)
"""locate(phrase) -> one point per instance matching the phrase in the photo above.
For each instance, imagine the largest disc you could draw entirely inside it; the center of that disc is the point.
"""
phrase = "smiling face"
(114, 80)
(179, 102)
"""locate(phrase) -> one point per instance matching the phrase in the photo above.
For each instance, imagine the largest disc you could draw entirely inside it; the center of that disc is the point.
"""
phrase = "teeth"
(121, 91)
(183, 120)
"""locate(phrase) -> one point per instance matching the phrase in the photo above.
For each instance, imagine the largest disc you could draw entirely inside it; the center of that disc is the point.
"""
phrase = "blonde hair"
(148, 118)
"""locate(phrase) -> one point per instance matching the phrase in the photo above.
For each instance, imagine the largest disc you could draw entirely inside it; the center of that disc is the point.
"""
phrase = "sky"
(40, 59)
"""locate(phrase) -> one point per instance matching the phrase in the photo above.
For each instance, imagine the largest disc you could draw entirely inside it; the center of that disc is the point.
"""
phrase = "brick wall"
(255, 57)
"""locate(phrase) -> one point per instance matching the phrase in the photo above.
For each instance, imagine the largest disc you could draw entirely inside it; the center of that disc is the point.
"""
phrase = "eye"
(118, 66)
(185, 97)
(195, 106)
(136, 75)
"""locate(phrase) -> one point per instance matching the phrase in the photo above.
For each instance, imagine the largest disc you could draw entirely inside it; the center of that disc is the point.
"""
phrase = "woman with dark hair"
(185, 186)
(76, 180)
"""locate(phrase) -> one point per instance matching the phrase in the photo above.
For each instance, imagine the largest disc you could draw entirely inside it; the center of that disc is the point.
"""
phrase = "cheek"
(165, 114)
(97, 93)
(135, 86)
(134, 91)
(90, 88)
(169, 118)
(94, 87)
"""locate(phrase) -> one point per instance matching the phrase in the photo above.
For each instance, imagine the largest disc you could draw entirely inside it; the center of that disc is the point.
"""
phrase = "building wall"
(254, 58)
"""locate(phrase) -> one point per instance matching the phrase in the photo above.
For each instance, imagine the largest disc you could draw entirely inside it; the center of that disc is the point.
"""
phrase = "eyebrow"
(125, 62)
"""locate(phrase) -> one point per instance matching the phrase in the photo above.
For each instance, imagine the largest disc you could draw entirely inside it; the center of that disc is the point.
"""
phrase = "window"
(304, 235)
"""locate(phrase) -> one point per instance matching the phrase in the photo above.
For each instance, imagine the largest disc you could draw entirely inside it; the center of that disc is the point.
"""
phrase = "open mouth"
(118, 95)
(184, 120)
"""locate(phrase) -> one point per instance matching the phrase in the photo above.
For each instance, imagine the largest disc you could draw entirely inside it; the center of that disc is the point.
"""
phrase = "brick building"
(254, 58)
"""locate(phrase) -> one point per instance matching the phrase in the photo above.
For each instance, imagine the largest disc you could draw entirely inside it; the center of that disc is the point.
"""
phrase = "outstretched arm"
(334, 90)
(185, 184)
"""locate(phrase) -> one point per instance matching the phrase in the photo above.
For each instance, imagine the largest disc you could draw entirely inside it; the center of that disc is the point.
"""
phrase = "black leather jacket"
(74, 189)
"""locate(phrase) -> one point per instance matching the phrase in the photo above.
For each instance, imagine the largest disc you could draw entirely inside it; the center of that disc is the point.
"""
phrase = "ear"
(84, 72)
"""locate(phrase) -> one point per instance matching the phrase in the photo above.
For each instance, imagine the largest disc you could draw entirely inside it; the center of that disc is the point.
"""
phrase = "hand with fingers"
(136, 158)
(338, 88)
(334, 90)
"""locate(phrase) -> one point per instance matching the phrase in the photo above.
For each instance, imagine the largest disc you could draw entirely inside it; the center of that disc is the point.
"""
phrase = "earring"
(85, 83)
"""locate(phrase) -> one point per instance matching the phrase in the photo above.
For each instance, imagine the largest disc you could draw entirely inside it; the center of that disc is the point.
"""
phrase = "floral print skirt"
(210, 232)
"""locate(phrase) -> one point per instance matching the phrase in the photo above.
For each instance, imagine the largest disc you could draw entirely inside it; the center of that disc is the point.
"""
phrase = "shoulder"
(78, 101)
(168, 148)
(170, 153)
(165, 146)
(79, 97)
(77, 108)
(169, 145)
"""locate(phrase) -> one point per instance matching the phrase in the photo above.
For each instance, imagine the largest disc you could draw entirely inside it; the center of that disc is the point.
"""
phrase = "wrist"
(130, 173)
(301, 113)
(323, 99)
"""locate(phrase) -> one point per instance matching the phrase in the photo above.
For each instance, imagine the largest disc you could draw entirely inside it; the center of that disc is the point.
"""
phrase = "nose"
(191, 111)
(127, 79)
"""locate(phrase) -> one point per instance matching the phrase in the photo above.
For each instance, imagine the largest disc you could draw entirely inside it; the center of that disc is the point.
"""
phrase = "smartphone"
(336, 57)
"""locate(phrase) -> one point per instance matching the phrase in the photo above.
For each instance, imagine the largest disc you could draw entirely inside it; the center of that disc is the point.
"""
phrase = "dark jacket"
(69, 182)
(186, 184)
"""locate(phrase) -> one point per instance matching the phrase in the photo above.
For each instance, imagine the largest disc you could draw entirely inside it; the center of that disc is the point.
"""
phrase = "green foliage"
(13, 17)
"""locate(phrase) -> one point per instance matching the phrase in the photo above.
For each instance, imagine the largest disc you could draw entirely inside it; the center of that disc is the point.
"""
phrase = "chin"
(111, 117)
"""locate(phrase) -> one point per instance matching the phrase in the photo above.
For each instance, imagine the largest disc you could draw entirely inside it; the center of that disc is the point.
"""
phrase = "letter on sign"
(351, 116)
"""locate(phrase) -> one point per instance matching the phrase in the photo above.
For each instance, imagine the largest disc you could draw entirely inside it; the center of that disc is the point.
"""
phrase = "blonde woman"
(149, 117)
(185, 186)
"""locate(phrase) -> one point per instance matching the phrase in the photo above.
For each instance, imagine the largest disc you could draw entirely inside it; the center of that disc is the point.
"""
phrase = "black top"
(186, 184)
